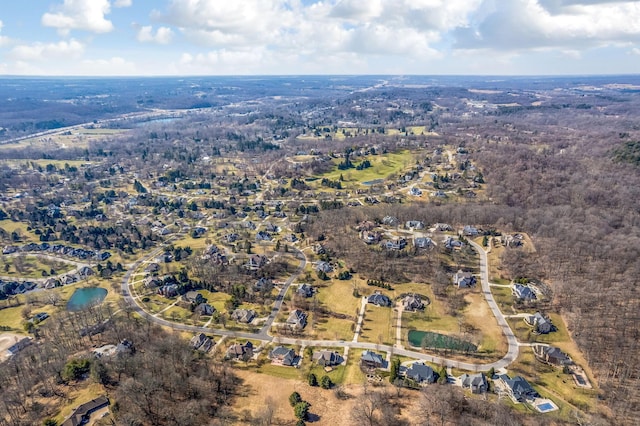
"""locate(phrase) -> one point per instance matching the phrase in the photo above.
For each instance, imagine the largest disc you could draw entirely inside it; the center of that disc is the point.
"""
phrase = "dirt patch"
(6, 341)
(260, 389)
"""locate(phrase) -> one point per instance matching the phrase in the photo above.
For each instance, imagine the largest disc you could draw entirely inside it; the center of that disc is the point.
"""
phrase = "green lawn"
(352, 373)
(382, 166)
(280, 371)
(377, 326)
(338, 296)
(32, 266)
(333, 329)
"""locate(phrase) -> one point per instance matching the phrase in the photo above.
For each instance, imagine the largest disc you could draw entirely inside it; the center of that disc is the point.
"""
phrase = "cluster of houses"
(215, 255)
(60, 249)
(14, 287)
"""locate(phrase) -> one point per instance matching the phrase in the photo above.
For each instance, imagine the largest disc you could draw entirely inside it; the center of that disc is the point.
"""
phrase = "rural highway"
(262, 335)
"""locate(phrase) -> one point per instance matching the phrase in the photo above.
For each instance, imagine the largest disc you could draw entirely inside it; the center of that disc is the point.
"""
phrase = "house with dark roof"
(551, 355)
(442, 227)
(453, 244)
(518, 388)
(412, 303)
(256, 261)
(470, 231)
(297, 320)
(379, 299)
(263, 284)
(396, 244)
(243, 315)
(464, 279)
(194, 297)
(82, 414)
(305, 290)
(241, 352)
(539, 323)
(423, 242)
(371, 360)
(476, 382)
(523, 292)
(390, 221)
(421, 373)
(414, 224)
(324, 267)
(201, 342)
(204, 309)
(283, 356)
(327, 358)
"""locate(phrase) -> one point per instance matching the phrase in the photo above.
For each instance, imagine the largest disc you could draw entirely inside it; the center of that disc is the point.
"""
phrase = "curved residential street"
(510, 356)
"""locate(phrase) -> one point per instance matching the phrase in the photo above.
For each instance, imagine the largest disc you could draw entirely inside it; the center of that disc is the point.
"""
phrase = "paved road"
(263, 335)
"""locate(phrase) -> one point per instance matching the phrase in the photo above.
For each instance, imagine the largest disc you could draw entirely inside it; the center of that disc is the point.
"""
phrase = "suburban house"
(390, 221)
(414, 224)
(551, 355)
(170, 290)
(423, 242)
(242, 352)
(540, 324)
(201, 342)
(327, 358)
(243, 315)
(397, 244)
(297, 320)
(371, 360)
(453, 244)
(523, 292)
(193, 297)
(379, 299)
(470, 231)
(415, 191)
(304, 290)
(263, 236)
(85, 271)
(324, 267)
(518, 388)
(412, 303)
(421, 373)
(204, 309)
(256, 261)
(151, 281)
(283, 356)
(82, 414)
(263, 284)
(365, 225)
(464, 279)
(18, 345)
(152, 268)
(442, 227)
(476, 382)
(512, 241)
(370, 237)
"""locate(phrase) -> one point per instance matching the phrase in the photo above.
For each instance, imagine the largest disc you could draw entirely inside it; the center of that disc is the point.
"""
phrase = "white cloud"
(4, 40)
(87, 15)
(62, 50)
(636, 51)
(112, 66)
(163, 35)
(122, 3)
(551, 24)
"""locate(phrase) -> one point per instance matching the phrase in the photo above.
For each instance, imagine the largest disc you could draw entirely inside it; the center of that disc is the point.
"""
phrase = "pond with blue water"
(82, 298)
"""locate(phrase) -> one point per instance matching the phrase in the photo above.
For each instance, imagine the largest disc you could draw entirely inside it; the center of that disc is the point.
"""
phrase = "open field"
(376, 327)
(338, 296)
(32, 266)
(382, 166)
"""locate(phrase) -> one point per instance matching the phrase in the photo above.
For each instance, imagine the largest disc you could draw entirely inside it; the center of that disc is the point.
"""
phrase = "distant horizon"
(506, 76)
(105, 38)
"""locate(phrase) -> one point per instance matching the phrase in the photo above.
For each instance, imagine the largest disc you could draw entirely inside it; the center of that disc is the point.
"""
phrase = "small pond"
(82, 298)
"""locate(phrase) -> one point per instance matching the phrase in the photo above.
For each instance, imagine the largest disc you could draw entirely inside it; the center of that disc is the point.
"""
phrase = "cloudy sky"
(230, 37)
